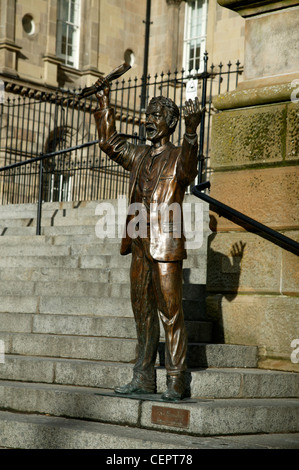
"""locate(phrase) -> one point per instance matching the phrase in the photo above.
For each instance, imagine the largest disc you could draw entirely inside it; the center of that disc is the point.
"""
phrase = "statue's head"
(162, 115)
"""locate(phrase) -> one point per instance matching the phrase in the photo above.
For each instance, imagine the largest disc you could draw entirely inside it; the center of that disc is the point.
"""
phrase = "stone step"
(17, 231)
(34, 250)
(78, 228)
(63, 208)
(50, 256)
(91, 255)
(48, 231)
(11, 241)
(120, 327)
(102, 211)
(10, 222)
(74, 325)
(91, 288)
(81, 246)
(95, 225)
(68, 240)
(123, 350)
(68, 346)
(56, 209)
(39, 261)
(66, 305)
(60, 219)
(62, 274)
(73, 208)
(31, 431)
(205, 383)
(101, 305)
(88, 251)
(57, 289)
(201, 417)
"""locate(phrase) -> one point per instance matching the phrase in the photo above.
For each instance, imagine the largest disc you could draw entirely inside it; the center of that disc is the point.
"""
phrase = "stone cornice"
(254, 7)
(25, 88)
(174, 2)
(9, 45)
(259, 95)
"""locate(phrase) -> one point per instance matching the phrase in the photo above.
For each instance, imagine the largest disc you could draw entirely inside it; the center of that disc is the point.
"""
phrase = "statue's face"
(156, 122)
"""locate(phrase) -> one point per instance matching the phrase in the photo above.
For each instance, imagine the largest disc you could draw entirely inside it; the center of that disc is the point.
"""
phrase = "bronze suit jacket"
(178, 169)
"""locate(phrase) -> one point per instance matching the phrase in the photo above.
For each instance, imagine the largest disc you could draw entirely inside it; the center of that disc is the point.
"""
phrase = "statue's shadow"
(202, 303)
(223, 279)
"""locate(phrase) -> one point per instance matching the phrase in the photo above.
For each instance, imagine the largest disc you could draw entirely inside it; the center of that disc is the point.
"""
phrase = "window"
(68, 31)
(195, 35)
(60, 188)
(28, 24)
(2, 91)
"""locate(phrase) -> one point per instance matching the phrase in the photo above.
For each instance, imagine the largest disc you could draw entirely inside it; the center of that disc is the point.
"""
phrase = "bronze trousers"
(156, 291)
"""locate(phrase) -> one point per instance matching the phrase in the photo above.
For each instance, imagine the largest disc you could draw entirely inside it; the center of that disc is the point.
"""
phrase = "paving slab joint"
(241, 388)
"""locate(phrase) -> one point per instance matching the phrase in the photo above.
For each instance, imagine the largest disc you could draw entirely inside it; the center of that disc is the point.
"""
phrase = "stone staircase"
(69, 338)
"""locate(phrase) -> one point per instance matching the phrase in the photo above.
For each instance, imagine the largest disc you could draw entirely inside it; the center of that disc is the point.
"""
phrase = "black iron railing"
(48, 140)
(249, 224)
(36, 122)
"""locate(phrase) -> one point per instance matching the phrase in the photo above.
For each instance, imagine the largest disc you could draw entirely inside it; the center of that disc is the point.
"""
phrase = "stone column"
(172, 35)
(253, 293)
(8, 47)
(50, 59)
(90, 45)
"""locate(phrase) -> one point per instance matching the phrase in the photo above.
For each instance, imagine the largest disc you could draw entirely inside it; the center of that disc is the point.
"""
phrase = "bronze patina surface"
(159, 174)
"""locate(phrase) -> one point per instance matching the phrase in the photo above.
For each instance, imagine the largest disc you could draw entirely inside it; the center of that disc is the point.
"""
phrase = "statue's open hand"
(103, 93)
(192, 115)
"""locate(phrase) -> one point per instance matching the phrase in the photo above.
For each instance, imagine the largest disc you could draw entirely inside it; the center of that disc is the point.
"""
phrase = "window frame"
(199, 39)
(70, 60)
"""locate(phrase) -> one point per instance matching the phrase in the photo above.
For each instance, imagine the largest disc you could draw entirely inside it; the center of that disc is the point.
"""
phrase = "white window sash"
(201, 7)
(73, 58)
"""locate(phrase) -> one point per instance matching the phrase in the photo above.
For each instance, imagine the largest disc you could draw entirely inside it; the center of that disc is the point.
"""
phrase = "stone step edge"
(94, 326)
(198, 417)
(72, 336)
(203, 379)
(121, 349)
(30, 431)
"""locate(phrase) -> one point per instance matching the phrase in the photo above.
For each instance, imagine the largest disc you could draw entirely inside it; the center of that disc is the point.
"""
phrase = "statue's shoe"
(133, 387)
(177, 389)
(172, 395)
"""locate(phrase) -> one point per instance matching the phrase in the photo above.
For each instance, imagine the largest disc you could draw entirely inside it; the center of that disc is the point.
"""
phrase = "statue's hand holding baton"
(103, 82)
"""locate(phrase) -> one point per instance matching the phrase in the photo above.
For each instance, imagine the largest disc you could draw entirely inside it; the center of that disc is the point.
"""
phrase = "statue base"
(147, 397)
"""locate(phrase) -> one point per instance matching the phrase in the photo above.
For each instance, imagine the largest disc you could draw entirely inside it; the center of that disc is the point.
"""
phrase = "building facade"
(69, 43)
(50, 45)
(56, 46)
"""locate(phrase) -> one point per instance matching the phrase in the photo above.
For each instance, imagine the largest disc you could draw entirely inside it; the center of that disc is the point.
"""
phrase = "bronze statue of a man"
(159, 173)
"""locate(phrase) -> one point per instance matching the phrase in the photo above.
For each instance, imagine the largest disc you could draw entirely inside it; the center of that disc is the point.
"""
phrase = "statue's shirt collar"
(159, 150)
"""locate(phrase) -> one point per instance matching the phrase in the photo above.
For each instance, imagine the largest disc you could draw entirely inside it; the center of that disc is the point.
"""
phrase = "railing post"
(40, 197)
(202, 124)
(145, 59)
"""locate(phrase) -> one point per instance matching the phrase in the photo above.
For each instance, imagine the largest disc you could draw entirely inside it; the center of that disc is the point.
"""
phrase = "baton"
(116, 73)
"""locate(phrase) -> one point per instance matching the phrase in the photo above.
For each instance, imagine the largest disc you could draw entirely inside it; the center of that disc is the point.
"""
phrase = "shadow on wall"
(223, 276)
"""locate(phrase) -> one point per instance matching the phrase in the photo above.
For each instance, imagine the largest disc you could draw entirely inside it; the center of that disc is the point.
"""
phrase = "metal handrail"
(47, 155)
(246, 222)
(42, 157)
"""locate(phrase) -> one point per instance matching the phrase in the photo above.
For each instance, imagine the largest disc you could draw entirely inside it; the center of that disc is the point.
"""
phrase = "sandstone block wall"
(252, 284)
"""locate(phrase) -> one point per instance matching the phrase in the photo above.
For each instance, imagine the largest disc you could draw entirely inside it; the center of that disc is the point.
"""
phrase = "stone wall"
(225, 35)
(253, 285)
(108, 29)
